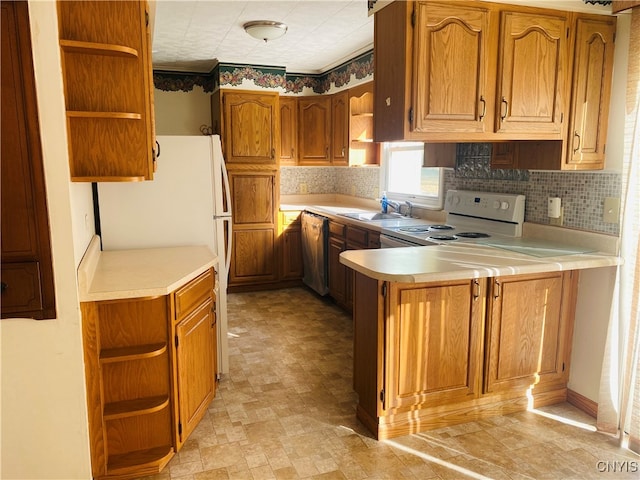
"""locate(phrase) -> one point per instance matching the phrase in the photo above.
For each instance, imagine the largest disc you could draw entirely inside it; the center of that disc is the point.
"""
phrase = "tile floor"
(286, 410)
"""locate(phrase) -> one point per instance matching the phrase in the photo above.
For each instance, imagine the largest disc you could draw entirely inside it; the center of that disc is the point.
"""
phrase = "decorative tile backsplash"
(582, 193)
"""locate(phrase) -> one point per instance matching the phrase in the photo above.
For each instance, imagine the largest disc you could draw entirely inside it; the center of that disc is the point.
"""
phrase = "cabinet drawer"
(357, 236)
(21, 287)
(193, 294)
(336, 229)
(374, 240)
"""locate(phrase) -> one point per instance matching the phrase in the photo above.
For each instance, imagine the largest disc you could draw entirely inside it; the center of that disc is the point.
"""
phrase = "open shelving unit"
(106, 63)
(131, 422)
(362, 149)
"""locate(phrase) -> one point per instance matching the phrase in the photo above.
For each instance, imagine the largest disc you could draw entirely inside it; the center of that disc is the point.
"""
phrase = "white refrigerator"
(187, 203)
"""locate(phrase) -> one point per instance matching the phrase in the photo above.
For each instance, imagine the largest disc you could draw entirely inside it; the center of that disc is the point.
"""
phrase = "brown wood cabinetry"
(27, 272)
(288, 131)
(314, 130)
(532, 71)
(481, 71)
(590, 92)
(254, 259)
(337, 274)
(362, 149)
(145, 392)
(291, 245)
(106, 63)
(529, 331)
(421, 360)
(340, 128)
(249, 125)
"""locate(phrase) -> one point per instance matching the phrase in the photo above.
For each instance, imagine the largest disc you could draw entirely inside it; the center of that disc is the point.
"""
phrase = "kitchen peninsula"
(452, 333)
(149, 335)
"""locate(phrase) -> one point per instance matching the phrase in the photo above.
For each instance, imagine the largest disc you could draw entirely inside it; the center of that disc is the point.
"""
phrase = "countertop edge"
(128, 274)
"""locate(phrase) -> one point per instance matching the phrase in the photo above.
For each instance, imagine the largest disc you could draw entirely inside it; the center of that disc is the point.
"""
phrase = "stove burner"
(440, 227)
(414, 229)
(442, 237)
(471, 235)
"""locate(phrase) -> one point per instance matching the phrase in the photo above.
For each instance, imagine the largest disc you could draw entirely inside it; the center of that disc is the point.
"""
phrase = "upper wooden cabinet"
(452, 44)
(288, 130)
(249, 125)
(362, 149)
(106, 64)
(590, 92)
(27, 286)
(532, 67)
(340, 128)
(314, 130)
(482, 71)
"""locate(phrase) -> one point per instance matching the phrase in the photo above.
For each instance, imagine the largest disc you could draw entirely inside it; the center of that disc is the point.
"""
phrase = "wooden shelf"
(112, 115)
(134, 462)
(91, 48)
(107, 179)
(365, 114)
(364, 140)
(131, 408)
(137, 352)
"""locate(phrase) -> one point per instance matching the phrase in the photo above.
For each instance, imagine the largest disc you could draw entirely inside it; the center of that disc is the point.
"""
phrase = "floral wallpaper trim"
(266, 77)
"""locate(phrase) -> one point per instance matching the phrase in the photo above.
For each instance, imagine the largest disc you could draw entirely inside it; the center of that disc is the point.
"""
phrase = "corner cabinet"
(340, 128)
(428, 355)
(314, 130)
(145, 390)
(362, 149)
(288, 131)
(108, 89)
(249, 126)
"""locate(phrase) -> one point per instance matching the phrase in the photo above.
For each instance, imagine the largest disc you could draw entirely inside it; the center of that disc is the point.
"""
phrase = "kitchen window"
(404, 178)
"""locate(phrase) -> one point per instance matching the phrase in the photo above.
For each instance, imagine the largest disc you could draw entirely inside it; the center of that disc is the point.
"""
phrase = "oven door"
(387, 241)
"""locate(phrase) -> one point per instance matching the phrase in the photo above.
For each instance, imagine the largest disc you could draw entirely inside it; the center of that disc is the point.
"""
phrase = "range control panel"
(504, 207)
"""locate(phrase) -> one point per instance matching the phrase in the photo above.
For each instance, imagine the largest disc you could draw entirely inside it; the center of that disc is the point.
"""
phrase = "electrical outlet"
(557, 221)
(302, 188)
(611, 212)
(353, 190)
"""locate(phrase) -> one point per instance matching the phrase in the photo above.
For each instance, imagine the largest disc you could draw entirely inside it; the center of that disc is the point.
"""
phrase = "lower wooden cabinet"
(150, 374)
(428, 355)
(291, 246)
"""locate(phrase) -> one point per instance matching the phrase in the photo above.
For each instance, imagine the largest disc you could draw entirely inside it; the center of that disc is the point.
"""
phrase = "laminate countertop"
(148, 272)
(462, 261)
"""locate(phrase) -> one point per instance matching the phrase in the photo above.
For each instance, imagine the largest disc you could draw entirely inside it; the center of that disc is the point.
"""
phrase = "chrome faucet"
(409, 208)
(394, 205)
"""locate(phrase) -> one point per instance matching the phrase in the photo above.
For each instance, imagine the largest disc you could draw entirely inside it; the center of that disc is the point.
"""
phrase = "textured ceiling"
(193, 35)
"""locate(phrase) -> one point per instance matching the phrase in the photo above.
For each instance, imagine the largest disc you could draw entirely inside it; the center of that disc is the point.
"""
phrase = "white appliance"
(471, 217)
(187, 203)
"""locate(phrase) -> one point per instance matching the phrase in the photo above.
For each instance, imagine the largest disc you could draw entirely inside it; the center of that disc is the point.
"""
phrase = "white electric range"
(471, 217)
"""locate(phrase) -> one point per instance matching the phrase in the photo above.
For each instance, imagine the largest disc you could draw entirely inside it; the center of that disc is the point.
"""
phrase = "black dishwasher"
(314, 252)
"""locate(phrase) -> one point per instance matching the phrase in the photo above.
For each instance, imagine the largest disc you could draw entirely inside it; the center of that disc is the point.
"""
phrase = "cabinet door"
(531, 75)
(106, 63)
(196, 357)
(27, 271)
(340, 128)
(253, 253)
(529, 331)
(337, 271)
(251, 127)
(592, 70)
(292, 267)
(434, 343)
(288, 131)
(314, 130)
(450, 74)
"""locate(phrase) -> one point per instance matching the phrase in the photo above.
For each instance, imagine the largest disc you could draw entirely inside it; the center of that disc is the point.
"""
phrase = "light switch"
(611, 213)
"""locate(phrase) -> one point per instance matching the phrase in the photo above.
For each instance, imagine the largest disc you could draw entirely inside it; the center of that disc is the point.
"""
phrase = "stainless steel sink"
(372, 216)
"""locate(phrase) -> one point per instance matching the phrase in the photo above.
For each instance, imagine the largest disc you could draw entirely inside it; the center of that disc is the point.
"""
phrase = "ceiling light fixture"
(265, 29)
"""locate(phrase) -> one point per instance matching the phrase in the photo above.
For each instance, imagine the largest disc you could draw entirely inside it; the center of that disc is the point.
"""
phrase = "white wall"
(182, 113)
(43, 406)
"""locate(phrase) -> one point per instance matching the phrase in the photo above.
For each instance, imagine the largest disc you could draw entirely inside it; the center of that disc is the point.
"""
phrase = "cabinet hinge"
(411, 115)
(384, 289)
(176, 341)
